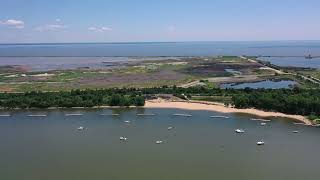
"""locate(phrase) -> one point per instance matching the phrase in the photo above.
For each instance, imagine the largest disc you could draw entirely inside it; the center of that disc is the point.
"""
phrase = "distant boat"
(159, 142)
(185, 115)
(263, 124)
(309, 57)
(74, 114)
(145, 114)
(170, 128)
(37, 115)
(239, 131)
(109, 114)
(123, 138)
(127, 121)
(304, 124)
(80, 128)
(264, 120)
(259, 143)
(225, 117)
(5, 115)
(295, 131)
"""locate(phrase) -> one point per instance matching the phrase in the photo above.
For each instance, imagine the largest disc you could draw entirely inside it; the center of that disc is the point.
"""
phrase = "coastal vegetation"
(297, 101)
(74, 98)
(136, 74)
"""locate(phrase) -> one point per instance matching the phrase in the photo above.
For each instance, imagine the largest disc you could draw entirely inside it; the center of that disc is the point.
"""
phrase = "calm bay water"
(277, 48)
(63, 56)
(293, 61)
(199, 147)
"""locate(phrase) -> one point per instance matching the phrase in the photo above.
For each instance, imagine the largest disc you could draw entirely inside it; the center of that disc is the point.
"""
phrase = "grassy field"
(134, 74)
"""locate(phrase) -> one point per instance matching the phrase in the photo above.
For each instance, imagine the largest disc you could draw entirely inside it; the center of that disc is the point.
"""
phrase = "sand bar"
(208, 106)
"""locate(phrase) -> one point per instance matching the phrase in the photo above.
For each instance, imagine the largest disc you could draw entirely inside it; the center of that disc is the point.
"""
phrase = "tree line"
(74, 98)
(291, 101)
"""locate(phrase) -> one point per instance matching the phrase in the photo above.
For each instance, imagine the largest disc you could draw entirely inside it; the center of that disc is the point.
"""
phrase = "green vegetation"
(292, 101)
(297, 101)
(152, 73)
(75, 98)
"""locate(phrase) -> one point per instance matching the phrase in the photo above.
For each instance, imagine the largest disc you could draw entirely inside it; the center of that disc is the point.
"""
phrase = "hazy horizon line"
(151, 42)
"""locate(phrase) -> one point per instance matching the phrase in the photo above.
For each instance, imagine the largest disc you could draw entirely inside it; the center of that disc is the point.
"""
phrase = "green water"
(199, 147)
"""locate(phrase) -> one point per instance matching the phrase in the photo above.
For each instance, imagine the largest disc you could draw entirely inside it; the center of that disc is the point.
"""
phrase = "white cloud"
(13, 23)
(51, 27)
(99, 29)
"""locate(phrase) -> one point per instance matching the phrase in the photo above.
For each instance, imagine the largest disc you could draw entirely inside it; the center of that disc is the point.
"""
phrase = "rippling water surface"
(199, 147)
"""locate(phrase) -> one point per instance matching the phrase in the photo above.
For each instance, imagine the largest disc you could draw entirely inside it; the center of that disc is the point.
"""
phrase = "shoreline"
(217, 107)
(190, 105)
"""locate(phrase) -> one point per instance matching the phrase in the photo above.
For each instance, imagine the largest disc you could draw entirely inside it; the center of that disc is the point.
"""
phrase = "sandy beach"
(208, 106)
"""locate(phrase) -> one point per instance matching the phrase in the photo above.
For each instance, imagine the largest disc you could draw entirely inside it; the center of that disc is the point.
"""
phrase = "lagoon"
(267, 84)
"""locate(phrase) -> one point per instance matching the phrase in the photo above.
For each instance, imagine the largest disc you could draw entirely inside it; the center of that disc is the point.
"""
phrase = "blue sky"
(36, 21)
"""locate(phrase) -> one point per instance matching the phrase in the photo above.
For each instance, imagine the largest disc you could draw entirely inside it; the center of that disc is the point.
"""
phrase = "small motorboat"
(5, 115)
(127, 121)
(74, 115)
(109, 114)
(263, 120)
(224, 117)
(259, 143)
(145, 114)
(239, 131)
(159, 142)
(37, 115)
(295, 131)
(263, 124)
(170, 128)
(80, 128)
(123, 138)
(183, 115)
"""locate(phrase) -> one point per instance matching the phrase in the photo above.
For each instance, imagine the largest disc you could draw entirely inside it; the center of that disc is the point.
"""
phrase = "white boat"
(37, 115)
(123, 138)
(74, 114)
(159, 142)
(264, 120)
(295, 131)
(184, 115)
(80, 128)
(5, 115)
(225, 117)
(259, 143)
(169, 128)
(263, 124)
(127, 121)
(109, 114)
(145, 114)
(239, 131)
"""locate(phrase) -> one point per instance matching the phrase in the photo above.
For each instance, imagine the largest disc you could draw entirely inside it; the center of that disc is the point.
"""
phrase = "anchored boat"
(239, 131)
(80, 128)
(264, 120)
(224, 117)
(185, 115)
(123, 138)
(259, 143)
